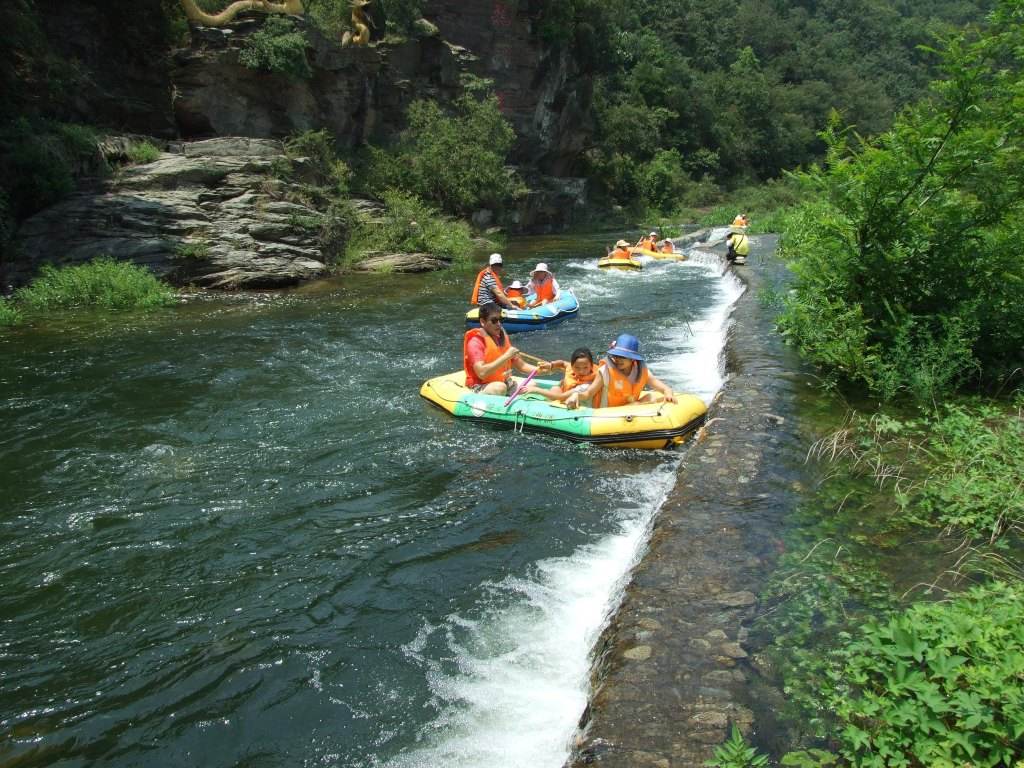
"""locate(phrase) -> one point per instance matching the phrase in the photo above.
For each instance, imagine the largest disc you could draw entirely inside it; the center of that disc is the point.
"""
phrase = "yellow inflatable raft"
(655, 424)
(626, 265)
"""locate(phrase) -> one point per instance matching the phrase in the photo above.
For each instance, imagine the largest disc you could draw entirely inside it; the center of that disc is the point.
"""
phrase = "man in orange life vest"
(488, 287)
(543, 285)
(648, 243)
(488, 357)
(622, 380)
(621, 251)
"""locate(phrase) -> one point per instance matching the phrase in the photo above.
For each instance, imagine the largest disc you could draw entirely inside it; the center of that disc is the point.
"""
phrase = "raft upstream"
(626, 265)
(656, 255)
(535, 319)
(649, 425)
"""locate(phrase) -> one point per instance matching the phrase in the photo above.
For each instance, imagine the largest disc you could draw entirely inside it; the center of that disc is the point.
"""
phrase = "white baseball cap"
(495, 259)
(542, 267)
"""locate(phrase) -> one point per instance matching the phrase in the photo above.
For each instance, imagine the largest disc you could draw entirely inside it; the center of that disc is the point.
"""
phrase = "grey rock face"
(205, 213)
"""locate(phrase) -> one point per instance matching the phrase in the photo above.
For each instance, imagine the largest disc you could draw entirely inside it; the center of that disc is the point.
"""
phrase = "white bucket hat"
(541, 267)
(516, 284)
(495, 259)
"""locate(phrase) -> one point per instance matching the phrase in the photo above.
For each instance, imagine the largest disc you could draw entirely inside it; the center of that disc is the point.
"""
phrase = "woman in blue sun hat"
(623, 379)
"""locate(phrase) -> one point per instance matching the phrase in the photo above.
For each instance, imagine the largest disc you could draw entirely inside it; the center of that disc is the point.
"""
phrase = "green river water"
(233, 534)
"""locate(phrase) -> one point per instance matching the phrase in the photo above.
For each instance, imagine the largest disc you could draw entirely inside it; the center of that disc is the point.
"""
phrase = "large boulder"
(206, 213)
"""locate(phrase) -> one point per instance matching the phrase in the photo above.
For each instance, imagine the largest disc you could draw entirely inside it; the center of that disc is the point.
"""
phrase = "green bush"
(735, 753)
(456, 162)
(277, 47)
(9, 314)
(330, 172)
(142, 152)
(39, 161)
(939, 685)
(102, 283)
(412, 226)
(910, 239)
(336, 228)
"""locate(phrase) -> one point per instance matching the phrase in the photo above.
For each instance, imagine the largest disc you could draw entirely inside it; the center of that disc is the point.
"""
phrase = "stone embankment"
(672, 673)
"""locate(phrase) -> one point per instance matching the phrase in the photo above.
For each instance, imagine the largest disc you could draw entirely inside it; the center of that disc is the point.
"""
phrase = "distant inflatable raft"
(535, 319)
(659, 255)
(625, 265)
(641, 425)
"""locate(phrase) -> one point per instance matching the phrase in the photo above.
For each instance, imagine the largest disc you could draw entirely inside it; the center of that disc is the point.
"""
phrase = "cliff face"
(543, 93)
(359, 93)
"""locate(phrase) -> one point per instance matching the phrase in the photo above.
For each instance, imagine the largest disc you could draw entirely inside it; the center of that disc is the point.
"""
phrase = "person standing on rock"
(488, 288)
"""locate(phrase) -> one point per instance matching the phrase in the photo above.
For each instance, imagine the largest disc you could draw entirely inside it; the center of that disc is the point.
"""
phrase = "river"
(233, 534)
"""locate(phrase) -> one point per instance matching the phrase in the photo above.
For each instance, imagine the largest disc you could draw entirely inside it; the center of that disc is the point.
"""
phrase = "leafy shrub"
(277, 47)
(336, 228)
(9, 314)
(936, 685)
(454, 161)
(39, 161)
(412, 226)
(735, 753)
(142, 152)
(913, 232)
(102, 283)
(330, 172)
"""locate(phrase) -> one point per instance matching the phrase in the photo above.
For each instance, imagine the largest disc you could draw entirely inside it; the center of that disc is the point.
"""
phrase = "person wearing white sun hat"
(488, 285)
(542, 285)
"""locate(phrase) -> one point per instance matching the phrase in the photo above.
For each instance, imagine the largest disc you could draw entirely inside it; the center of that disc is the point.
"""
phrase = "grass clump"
(142, 152)
(411, 226)
(9, 314)
(102, 283)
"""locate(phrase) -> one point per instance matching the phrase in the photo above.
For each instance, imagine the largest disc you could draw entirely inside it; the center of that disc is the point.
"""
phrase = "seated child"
(580, 371)
(516, 294)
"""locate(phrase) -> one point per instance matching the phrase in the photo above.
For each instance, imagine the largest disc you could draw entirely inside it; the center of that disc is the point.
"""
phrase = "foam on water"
(520, 679)
(517, 677)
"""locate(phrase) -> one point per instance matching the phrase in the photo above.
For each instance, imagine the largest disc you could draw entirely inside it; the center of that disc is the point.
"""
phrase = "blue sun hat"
(626, 346)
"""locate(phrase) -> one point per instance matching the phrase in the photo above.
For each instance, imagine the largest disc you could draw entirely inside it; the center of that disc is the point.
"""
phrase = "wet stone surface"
(671, 673)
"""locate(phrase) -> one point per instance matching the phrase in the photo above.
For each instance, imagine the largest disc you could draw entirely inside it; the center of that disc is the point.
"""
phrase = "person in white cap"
(488, 287)
(543, 286)
(648, 243)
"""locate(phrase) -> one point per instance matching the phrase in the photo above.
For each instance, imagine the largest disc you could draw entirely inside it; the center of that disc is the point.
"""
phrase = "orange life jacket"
(515, 295)
(618, 389)
(740, 221)
(492, 352)
(570, 379)
(620, 253)
(479, 279)
(545, 291)
(667, 247)
(647, 244)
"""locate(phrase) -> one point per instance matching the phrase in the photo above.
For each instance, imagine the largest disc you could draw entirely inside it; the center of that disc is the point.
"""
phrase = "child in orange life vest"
(543, 286)
(488, 356)
(580, 371)
(515, 294)
(622, 380)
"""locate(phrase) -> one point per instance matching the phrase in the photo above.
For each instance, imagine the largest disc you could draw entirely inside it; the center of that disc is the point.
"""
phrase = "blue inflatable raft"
(536, 319)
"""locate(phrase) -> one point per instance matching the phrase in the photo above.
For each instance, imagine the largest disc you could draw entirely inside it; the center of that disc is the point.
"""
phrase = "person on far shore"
(488, 288)
(488, 356)
(542, 285)
(622, 380)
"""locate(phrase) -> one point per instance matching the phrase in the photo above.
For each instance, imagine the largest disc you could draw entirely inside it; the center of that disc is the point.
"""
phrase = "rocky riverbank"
(671, 673)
